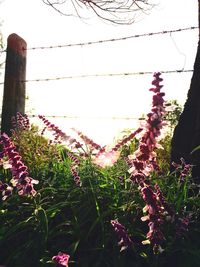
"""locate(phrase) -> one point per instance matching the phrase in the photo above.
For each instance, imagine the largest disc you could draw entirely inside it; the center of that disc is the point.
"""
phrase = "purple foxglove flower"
(167, 207)
(145, 154)
(125, 241)
(20, 176)
(155, 213)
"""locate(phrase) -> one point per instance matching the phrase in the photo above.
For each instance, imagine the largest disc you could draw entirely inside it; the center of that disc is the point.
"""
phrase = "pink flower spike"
(20, 177)
(125, 241)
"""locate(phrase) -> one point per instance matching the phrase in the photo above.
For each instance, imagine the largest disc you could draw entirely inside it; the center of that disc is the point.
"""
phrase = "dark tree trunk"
(14, 85)
(187, 132)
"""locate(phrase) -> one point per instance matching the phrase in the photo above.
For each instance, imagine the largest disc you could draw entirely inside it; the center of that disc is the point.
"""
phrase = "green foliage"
(173, 114)
(76, 220)
(163, 153)
(40, 156)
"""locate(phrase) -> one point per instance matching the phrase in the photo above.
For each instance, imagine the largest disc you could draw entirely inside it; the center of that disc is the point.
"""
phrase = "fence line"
(100, 42)
(103, 75)
(88, 117)
(110, 40)
(85, 117)
(114, 39)
(15, 71)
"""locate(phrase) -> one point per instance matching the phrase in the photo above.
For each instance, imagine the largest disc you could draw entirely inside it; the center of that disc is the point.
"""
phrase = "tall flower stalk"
(20, 176)
(143, 163)
(59, 135)
(89, 142)
(124, 239)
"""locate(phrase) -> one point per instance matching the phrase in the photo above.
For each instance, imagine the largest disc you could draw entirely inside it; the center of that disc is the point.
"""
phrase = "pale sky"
(123, 96)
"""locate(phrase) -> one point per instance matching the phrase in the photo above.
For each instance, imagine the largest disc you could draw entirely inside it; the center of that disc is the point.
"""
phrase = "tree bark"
(186, 135)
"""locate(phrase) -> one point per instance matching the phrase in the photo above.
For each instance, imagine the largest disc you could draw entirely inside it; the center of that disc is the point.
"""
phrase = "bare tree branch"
(114, 11)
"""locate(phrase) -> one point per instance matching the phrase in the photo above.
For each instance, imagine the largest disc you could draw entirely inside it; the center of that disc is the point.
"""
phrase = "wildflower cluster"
(107, 158)
(183, 169)
(125, 241)
(20, 176)
(20, 121)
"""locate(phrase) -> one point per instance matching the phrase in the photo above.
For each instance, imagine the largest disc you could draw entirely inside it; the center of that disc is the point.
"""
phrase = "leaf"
(73, 246)
(18, 227)
(195, 149)
(42, 217)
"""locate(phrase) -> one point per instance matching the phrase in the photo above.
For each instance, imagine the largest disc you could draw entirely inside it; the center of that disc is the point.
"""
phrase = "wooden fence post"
(14, 81)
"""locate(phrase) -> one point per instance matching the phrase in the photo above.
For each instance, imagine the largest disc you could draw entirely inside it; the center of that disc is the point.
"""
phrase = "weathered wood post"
(14, 81)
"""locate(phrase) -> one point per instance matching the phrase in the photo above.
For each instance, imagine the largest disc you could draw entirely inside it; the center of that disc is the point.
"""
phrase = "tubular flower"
(125, 241)
(73, 168)
(89, 142)
(61, 259)
(58, 134)
(124, 141)
(154, 122)
(20, 176)
(168, 209)
(155, 236)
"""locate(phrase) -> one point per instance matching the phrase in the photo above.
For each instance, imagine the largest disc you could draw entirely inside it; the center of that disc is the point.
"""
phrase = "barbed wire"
(85, 117)
(110, 40)
(103, 75)
(141, 118)
(114, 39)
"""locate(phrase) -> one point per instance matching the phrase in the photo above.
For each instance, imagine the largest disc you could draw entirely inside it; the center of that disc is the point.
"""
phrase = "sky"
(97, 99)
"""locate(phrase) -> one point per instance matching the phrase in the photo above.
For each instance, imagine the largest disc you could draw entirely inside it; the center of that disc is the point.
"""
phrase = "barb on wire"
(113, 39)
(103, 75)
